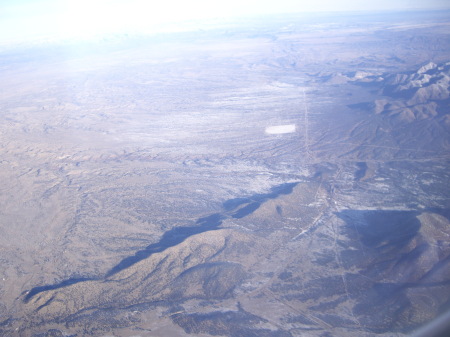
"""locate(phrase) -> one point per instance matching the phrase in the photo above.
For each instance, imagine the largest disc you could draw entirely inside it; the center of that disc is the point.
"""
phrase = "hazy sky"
(29, 19)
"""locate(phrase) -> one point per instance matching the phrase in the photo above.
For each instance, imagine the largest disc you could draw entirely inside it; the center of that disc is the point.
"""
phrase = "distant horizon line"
(193, 25)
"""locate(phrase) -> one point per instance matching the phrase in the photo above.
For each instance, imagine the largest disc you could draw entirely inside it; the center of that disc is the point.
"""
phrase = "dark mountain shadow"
(378, 228)
(65, 283)
(170, 238)
(361, 172)
(177, 235)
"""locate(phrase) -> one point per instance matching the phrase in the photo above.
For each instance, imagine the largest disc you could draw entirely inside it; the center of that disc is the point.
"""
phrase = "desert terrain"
(279, 177)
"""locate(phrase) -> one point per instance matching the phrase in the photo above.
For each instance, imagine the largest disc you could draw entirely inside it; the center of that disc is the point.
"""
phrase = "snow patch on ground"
(280, 129)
